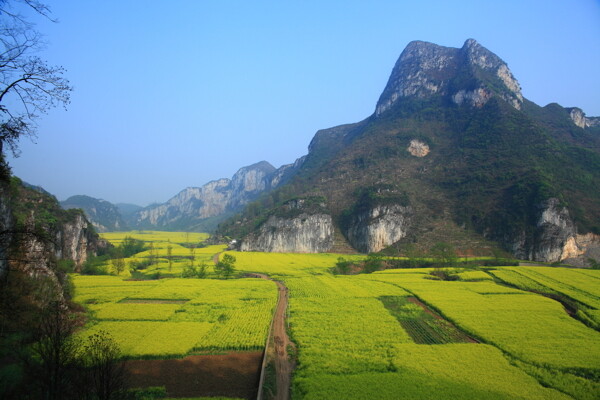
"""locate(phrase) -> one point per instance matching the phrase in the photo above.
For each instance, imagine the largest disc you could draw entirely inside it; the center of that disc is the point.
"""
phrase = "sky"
(169, 95)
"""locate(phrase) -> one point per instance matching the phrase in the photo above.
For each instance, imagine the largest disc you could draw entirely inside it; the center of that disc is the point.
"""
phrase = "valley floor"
(496, 333)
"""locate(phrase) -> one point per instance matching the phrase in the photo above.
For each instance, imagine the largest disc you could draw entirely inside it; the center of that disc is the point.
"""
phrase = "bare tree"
(56, 353)
(106, 372)
(28, 85)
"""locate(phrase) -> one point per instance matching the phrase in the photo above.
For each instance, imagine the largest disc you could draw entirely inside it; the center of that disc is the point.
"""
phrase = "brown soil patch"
(228, 375)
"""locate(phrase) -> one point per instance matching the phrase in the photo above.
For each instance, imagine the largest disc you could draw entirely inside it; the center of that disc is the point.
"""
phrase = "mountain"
(202, 208)
(105, 216)
(453, 152)
(37, 232)
(127, 210)
(35, 188)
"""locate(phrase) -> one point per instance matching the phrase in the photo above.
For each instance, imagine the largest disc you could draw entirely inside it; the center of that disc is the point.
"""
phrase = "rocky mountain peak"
(469, 75)
(252, 178)
(581, 120)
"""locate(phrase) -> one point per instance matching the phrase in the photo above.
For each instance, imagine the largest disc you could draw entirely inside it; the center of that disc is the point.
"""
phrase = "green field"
(175, 317)
(387, 335)
(178, 247)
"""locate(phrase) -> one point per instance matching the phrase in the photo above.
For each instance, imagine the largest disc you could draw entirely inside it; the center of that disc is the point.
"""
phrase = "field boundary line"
(261, 381)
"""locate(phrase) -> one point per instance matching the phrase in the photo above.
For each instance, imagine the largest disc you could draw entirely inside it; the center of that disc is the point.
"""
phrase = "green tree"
(170, 256)
(226, 266)
(151, 253)
(131, 246)
(202, 270)
(414, 255)
(444, 255)
(342, 265)
(118, 262)
(192, 255)
(374, 262)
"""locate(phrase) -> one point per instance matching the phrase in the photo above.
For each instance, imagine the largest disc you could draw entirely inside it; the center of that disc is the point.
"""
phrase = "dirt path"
(281, 340)
(283, 365)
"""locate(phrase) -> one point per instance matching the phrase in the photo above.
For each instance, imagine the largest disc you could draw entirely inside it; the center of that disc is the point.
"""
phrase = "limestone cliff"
(305, 233)
(299, 226)
(555, 238)
(38, 233)
(581, 120)
(378, 227)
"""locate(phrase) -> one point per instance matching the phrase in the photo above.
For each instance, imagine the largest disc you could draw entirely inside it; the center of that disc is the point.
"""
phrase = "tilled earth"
(228, 375)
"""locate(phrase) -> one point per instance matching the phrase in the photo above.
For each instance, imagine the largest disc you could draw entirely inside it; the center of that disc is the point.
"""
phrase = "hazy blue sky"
(175, 94)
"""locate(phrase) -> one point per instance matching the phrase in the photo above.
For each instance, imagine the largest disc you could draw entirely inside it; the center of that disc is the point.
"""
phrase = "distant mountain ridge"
(194, 208)
(103, 215)
(454, 153)
(202, 208)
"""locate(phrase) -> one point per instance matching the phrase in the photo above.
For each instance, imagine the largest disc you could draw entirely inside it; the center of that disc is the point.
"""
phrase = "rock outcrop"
(470, 75)
(555, 238)
(304, 233)
(581, 120)
(418, 148)
(299, 226)
(378, 227)
(579, 249)
(77, 240)
(38, 233)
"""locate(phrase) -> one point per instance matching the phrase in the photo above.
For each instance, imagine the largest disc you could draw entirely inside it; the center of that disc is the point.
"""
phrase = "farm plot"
(175, 317)
(580, 289)
(157, 236)
(279, 265)
(521, 281)
(450, 371)
(584, 289)
(351, 347)
(530, 327)
(423, 325)
(166, 254)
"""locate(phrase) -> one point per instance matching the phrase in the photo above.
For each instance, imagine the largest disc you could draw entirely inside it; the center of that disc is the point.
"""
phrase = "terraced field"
(493, 334)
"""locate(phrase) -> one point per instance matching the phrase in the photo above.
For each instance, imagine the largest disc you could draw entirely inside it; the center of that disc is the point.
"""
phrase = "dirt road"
(283, 365)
